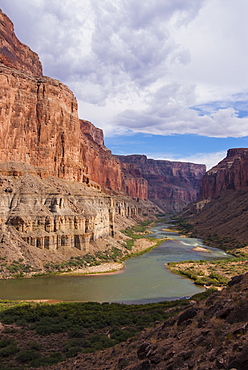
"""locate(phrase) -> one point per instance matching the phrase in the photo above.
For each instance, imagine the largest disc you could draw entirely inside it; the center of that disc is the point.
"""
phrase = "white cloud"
(169, 112)
(209, 159)
(143, 66)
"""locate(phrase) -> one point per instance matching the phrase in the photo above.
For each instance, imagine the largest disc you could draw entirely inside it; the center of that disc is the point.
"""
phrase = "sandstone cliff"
(15, 54)
(40, 125)
(220, 216)
(171, 185)
(61, 189)
(230, 174)
(50, 219)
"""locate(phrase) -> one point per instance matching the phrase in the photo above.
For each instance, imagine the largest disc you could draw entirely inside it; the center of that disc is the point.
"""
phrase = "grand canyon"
(64, 195)
(62, 190)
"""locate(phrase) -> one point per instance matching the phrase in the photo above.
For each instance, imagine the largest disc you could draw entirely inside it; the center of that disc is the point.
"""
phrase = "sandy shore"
(201, 249)
(112, 267)
(103, 268)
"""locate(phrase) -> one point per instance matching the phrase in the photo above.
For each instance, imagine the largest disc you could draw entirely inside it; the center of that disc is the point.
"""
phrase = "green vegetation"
(71, 328)
(138, 231)
(113, 254)
(211, 273)
(223, 242)
(183, 226)
(17, 268)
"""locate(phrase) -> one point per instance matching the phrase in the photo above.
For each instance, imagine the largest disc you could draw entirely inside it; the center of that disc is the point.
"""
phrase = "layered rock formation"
(60, 185)
(230, 174)
(58, 217)
(15, 54)
(171, 185)
(40, 124)
(41, 137)
(220, 216)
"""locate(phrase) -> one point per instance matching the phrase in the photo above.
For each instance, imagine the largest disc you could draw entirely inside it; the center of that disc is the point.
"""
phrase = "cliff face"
(39, 124)
(15, 54)
(220, 216)
(45, 220)
(171, 185)
(61, 190)
(230, 174)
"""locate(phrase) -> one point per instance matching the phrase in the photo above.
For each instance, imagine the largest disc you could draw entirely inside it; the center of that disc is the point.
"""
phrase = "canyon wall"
(39, 124)
(15, 54)
(171, 185)
(220, 215)
(230, 174)
(50, 220)
(61, 189)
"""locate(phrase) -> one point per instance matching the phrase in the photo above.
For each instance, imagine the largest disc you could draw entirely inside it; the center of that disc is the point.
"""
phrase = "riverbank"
(140, 246)
(211, 273)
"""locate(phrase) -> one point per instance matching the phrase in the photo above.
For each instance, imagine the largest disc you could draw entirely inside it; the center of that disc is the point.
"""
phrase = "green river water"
(144, 279)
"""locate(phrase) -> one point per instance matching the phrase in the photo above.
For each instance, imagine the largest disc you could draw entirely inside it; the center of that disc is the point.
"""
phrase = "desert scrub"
(81, 327)
(216, 273)
(138, 231)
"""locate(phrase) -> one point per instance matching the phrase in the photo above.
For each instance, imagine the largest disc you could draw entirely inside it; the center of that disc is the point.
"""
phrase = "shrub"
(27, 355)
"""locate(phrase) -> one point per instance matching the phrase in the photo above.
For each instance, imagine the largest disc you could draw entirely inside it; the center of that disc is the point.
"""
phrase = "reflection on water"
(144, 278)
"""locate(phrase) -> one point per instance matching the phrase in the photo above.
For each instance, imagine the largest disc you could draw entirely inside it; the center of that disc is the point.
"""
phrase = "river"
(143, 280)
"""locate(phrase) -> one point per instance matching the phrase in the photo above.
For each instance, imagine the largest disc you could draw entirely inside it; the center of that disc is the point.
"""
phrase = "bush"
(8, 350)
(27, 355)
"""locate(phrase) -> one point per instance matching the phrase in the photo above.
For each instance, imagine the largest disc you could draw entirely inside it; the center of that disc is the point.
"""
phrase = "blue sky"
(165, 78)
(189, 148)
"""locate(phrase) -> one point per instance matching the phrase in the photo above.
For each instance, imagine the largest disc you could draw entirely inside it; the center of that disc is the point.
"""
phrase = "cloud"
(170, 111)
(209, 159)
(158, 67)
(107, 46)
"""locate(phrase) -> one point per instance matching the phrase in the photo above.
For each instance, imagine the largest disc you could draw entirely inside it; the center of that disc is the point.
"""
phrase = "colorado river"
(144, 279)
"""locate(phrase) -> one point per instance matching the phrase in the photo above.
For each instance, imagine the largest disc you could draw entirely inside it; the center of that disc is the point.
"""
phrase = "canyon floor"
(209, 331)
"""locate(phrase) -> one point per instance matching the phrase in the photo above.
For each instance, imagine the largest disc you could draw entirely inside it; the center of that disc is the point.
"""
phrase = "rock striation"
(171, 185)
(220, 215)
(61, 189)
(230, 174)
(15, 54)
(58, 217)
(39, 124)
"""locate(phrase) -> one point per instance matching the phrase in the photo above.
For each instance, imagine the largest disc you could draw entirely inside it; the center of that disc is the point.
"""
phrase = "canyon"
(63, 193)
(171, 185)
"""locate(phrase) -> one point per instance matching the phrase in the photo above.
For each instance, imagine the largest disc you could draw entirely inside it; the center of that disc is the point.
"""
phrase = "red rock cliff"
(230, 174)
(171, 185)
(15, 54)
(39, 124)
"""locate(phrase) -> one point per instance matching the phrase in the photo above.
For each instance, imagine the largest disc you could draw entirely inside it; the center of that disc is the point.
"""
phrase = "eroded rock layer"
(15, 54)
(220, 215)
(39, 125)
(230, 174)
(171, 185)
(58, 217)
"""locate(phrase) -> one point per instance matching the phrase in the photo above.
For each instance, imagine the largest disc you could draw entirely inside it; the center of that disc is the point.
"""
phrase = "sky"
(164, 78)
